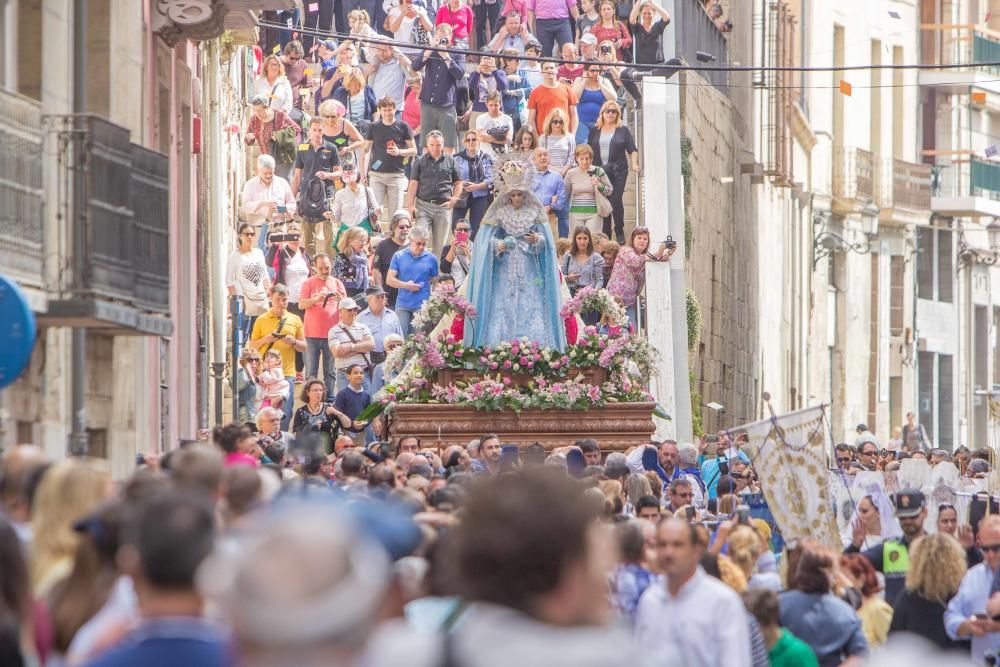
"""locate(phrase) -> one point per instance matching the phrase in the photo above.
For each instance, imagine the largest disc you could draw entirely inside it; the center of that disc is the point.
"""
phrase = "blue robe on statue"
(516, 293)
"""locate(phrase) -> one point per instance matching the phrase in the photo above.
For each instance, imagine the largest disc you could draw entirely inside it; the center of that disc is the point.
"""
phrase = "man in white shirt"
(691, 619)
(387, 74)
(513, 35)
(494, 118)
(350, 341)
(266, 197)
(967, 615)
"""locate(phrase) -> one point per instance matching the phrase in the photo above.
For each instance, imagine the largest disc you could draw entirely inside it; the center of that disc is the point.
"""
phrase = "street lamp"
(825, 243)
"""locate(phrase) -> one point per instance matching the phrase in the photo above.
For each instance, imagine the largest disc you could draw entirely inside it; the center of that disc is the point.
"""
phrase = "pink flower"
(590, 330)
(450, 338)
(507, 364)
(523, 360)
(601, 344)
(594, 393)
(506, 380)
(538, 357)
(541, 382)
(564, 360)
(458, 354)
(556, 365)
(494, 365)
(515, 350)
(391, 397)
(531, 364)
(483, 360)
(497, 390)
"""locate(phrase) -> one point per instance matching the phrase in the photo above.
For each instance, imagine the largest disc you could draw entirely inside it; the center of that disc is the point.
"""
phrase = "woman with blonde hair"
(338, 130)
(358, 99)
(937, 566)
(637, 486)
(273, 85)
(360, 23)
(614, 150)
(614, 497)
(745, 547)
(351, 265)
(69, 490)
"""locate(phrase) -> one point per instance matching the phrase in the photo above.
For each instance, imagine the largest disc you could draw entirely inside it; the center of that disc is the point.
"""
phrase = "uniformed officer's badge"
(893, 556)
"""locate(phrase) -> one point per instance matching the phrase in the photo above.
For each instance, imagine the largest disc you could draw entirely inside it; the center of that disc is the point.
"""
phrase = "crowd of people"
(261, 549)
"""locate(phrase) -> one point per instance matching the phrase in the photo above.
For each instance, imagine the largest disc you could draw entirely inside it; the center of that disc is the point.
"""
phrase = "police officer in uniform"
(892, 557)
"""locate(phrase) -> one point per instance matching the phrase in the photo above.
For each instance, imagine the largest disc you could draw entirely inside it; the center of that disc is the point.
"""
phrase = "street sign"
(17, 332)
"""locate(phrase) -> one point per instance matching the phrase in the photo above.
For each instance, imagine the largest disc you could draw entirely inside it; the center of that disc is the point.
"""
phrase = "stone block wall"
(722, 266)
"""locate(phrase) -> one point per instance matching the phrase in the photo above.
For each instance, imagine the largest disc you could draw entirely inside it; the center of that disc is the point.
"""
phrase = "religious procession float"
(509, 352)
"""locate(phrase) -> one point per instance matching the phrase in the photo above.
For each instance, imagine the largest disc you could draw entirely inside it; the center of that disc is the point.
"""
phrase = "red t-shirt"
(319, 320)
(544, 99)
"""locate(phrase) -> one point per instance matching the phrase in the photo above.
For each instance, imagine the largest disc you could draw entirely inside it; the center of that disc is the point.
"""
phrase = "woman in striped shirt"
(582, 182)
(560, 144)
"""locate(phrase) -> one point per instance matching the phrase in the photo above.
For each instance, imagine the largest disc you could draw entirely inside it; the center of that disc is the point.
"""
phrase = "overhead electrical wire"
(388, 41)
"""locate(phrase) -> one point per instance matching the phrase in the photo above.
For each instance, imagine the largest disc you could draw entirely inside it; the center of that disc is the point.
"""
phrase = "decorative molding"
(615, 427)
(177, 20)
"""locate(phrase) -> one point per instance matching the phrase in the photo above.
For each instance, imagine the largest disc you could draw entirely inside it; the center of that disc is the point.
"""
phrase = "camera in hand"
(605, 49)
(670, 242)
(277, 238)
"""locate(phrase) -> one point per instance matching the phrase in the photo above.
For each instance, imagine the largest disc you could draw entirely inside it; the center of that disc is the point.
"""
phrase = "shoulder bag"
(603, 203)
(364, 355)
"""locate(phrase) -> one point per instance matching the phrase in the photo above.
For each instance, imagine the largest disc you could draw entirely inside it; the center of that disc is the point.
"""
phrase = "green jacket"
(790, 651)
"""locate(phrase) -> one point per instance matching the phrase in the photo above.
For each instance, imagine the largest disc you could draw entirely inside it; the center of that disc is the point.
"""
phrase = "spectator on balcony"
(515, 98)
(266, 197)
(610, 29)
(614, 150)
(592, 91)
(273, 86)
(275, 133)
(319, 298)
(459, 16)
(413, 271)
(280, 330)
(552, 21)
(316, 166)
(475, 168)
(549, 188)
(629, 272)
(442, 72)
(552, 94)
(435, 188)
(486, 80)
(387, 73)
(513, 36)
(339, 131)
(583, 183)
(247, 276)
(408, 23)
(351, 265)
(715, 13)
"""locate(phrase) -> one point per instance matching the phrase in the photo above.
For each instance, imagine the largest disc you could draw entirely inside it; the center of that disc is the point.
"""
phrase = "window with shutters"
(945, 405)
(897, 292)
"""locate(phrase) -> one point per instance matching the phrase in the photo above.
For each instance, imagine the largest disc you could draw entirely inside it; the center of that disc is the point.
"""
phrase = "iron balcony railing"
(968, 178)
(853, 174)
(696, 32)
(960, 44)
(21, 220)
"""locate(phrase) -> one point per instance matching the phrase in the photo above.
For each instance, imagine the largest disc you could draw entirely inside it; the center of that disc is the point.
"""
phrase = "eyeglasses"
(611, 111)
(868, 452)
(844, 459)
(253, 361)
(987, 548)
(250, 234)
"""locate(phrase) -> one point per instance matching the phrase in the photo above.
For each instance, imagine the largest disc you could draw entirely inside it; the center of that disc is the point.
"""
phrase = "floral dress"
(627, 275)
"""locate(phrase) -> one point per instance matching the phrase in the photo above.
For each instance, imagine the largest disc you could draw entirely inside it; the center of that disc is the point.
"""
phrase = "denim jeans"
(553, 32)
(474, 213)
(289, 404)
(563, 218)
(314, 348)
(405, 316)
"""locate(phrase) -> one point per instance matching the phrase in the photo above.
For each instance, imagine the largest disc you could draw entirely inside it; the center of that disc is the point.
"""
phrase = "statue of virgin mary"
(514, 278)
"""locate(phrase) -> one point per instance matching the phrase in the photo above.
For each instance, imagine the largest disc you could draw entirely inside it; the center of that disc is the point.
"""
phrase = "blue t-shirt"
(168, 642)
(418, 269)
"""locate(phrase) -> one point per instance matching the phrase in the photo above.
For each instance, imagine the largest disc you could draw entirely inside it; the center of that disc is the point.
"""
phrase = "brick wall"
(722, 267)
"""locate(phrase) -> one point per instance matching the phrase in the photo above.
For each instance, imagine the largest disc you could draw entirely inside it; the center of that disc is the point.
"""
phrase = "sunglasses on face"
(250, 234)
(611, 111)
(843, 459)
(557, 122)
(987, 548)
(868, 452)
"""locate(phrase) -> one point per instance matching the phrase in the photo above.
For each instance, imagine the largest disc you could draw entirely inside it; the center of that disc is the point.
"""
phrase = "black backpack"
(314, 203)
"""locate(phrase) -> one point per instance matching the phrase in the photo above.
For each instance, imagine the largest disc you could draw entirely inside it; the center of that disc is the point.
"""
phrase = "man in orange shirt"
(552, 94)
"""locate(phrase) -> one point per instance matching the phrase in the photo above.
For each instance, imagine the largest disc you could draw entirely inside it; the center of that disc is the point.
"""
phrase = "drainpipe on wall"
(78, 444)
(216, 268)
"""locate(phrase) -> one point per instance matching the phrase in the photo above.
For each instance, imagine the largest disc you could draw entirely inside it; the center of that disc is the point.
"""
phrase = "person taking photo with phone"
(457, 255)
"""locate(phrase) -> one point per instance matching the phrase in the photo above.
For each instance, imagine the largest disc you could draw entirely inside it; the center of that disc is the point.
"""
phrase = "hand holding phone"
(461, 238)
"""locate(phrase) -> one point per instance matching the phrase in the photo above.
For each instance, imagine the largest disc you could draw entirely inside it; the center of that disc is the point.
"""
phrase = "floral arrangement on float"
(600, 365)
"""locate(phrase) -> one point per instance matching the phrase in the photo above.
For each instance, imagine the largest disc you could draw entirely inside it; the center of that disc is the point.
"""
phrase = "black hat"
(909, 503)
(375, 291)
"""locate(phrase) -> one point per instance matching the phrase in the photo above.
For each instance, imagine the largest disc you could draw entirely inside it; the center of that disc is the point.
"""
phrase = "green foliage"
(686, 172)
(694, 321)
(696, 425)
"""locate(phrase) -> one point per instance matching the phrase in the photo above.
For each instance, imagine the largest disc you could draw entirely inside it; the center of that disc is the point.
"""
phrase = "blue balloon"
(17, 332)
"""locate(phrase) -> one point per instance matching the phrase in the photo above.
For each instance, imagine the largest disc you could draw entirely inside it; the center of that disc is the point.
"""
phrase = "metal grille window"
(897, 292)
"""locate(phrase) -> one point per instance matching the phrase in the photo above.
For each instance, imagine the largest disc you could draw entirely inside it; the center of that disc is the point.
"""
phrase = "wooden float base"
(615, 427)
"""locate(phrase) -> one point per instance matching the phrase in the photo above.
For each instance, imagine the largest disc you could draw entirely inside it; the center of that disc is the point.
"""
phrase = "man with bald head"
(18, 468)
(691, 618)
(550, 189)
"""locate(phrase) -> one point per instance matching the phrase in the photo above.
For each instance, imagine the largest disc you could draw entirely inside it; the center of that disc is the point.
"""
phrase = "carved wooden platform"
(615, 427)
